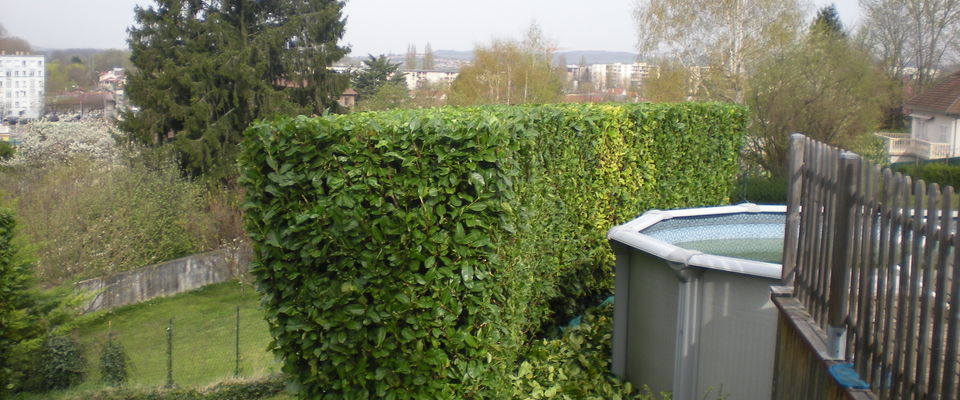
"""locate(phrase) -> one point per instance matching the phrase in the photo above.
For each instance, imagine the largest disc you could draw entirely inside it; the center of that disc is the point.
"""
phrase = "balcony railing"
(901, 144)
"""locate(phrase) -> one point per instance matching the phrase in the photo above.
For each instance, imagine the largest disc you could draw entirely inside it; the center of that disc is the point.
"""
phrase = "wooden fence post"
(792, 228)
(847, 182)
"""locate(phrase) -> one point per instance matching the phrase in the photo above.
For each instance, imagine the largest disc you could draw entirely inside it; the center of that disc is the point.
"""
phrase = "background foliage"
(934, 172)
(510, 72)
(231, 390)
(16, 323)
(822, 86)
(92, 206)
(417, 253)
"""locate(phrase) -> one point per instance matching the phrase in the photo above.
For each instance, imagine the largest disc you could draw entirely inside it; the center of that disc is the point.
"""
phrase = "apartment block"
(21, 85)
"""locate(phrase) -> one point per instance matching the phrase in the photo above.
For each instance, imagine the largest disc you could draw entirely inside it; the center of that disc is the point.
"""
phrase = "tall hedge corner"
(410, 254)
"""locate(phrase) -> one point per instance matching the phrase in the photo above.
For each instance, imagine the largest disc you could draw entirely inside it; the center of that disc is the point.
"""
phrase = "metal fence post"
(169, 354)
(848, 179)
(792, 227)
(236, 369)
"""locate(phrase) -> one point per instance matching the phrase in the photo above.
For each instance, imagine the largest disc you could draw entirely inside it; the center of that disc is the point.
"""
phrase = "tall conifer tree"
(205, 69)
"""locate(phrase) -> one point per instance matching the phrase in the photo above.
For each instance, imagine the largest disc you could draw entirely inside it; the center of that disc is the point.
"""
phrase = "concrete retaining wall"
(166, 278)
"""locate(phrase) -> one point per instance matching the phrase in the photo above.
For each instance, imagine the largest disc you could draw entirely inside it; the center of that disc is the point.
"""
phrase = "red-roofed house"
(348, 98)
(934, 122)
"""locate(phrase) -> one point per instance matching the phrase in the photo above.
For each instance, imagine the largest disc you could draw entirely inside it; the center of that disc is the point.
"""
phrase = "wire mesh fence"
(194, 350)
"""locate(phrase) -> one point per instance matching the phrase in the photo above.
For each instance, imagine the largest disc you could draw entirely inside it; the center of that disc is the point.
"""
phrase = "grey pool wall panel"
(692, 322)
(738, 307)
(650, 347)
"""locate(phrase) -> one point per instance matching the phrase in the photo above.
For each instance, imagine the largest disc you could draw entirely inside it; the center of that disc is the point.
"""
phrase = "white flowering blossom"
(44, 143)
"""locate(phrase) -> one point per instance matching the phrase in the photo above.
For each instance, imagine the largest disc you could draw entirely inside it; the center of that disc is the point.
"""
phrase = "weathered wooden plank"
(943, 259)
(864, 323)
(908, 325)
(887, 209)
(924, 284)
(949, 386)
(803, 274)
(902, 288)
(792, 224)
(842, 252)
(895, 241)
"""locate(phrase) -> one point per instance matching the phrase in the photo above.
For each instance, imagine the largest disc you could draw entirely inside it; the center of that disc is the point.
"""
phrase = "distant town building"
(114, 81)
(418, 79)
(610, 76)
(113, 78)
(21, 85)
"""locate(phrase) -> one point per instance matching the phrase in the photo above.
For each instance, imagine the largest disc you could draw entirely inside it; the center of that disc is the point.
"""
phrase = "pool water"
(758, 249)
(750, 236)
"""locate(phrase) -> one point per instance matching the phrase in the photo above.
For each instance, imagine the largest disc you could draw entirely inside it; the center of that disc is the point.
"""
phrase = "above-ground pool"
(693, 313)
(756, 236)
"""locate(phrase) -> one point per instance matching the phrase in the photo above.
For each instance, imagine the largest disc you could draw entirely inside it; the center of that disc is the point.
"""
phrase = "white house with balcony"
(934, 124)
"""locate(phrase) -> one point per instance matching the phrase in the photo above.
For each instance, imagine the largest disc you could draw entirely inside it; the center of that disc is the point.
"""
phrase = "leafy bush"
(934, 172)
(62, 362)
(415, 254)
(240, 390)
(760, 190)
(113, 363)
(15, 320)
(575, 366)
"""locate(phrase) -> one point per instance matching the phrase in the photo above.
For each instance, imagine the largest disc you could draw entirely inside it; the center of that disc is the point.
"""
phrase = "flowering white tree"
(57, 142)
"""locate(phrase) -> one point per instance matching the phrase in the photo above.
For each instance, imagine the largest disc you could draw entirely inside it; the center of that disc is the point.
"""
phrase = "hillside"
(204, 338)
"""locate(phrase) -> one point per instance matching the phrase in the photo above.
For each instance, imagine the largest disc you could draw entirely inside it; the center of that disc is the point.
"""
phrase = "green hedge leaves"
(415, 254)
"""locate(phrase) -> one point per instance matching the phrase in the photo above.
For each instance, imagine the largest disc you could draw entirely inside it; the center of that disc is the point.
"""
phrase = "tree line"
(818, 78)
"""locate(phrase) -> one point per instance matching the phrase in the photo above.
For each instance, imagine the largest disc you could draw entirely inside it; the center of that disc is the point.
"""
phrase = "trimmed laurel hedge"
(414, 254)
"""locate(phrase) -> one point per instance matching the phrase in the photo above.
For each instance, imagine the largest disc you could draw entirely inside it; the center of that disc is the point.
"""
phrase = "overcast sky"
(373, 26)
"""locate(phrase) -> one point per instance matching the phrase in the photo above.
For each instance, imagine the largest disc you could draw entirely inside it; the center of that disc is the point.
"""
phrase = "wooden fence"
(871, 255)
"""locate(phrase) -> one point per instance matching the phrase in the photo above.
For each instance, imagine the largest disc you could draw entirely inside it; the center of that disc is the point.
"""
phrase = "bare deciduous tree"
(727, 35)
(924, 34)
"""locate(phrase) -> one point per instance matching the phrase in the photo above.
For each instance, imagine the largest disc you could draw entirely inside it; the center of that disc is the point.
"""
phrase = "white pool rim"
(629, 234)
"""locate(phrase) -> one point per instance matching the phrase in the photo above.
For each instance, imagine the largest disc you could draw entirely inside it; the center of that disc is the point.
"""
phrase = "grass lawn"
(204, 338)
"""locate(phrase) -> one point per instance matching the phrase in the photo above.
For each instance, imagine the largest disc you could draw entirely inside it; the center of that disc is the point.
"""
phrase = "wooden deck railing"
(872, 255)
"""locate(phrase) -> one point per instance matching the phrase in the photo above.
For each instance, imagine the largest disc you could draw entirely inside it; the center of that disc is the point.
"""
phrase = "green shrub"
(113, 363)
(62, 363)
(934, 172)
(239, 390)
(575, 366)
(16, 322)
(6, 150)
(414, 254)
(760, 190)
